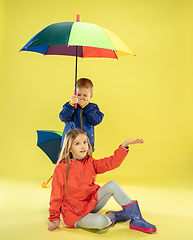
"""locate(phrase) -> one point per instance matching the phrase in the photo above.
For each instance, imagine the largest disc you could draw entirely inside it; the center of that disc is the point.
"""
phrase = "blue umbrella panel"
(49, 142)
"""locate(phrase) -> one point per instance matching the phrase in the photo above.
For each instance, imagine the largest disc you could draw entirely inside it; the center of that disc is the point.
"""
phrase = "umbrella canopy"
(49, 142)
(77, 39)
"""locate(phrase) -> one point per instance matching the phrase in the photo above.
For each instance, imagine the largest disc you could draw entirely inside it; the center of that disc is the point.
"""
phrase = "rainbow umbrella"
(78, 39)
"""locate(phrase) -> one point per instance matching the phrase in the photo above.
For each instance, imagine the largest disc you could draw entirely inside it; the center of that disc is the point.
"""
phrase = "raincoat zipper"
(81, 119)
(81, 178)
(76, 208)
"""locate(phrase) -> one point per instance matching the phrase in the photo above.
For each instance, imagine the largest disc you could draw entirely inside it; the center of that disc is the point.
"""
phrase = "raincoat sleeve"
(92, 113)
(112, 162)
(57, 194)
(67, 112)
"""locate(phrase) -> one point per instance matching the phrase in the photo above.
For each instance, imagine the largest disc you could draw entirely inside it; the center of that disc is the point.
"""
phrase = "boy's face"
(84, 96)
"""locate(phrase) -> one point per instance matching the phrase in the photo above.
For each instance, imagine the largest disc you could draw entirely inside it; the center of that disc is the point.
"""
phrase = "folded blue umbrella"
(49, 142)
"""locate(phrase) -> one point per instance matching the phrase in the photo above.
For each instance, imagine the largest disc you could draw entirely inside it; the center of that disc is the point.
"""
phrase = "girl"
(75, 194)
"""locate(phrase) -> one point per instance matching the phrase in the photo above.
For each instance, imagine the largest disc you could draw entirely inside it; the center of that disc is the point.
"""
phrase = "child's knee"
(112, 185)
(101, 221)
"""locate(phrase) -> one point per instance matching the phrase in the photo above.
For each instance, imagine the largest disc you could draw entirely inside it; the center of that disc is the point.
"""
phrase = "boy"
(86, 116)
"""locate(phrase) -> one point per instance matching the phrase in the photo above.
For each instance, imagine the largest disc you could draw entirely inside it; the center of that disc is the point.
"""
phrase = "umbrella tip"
(78, 17)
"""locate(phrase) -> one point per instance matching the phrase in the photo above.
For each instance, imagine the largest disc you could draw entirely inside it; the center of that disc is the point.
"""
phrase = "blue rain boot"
(117, 216)
(137, 222)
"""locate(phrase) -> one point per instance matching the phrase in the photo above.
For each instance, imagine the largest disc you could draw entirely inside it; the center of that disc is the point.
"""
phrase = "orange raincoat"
(82, 189)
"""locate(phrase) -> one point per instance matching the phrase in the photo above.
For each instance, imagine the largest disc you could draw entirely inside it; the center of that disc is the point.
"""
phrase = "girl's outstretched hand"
(132, 141)
(53, 226)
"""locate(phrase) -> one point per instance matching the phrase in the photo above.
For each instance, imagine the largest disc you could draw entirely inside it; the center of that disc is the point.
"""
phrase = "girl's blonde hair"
(66, 154)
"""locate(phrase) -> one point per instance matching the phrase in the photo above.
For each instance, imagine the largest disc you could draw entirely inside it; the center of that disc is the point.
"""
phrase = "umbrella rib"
(115, 51)
(46, 51)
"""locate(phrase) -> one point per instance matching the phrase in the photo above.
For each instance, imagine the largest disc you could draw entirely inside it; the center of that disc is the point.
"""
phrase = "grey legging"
(99, 221)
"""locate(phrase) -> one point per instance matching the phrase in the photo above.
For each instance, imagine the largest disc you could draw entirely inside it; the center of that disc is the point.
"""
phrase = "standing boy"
(86, 115)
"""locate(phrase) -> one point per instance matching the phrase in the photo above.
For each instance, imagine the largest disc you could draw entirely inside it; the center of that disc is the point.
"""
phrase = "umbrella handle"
(75, 105)
(45, 184)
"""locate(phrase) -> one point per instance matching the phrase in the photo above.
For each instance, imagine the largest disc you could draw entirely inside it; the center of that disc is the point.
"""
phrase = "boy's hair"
(66, 154)
(84, 83)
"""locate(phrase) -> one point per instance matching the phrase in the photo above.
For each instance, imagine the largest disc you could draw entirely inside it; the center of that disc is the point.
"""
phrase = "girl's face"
(79, 147)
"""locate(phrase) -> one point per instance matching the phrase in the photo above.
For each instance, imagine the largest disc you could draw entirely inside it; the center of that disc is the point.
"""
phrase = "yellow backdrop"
(147, 96)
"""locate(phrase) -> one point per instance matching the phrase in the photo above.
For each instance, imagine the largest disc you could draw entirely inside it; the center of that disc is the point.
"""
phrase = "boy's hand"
(82, 101)
(132, 141)
(74, 99)
(53, 226)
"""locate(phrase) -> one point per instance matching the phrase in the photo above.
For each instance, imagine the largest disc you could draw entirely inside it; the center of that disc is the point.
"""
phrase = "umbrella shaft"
(76, 67)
